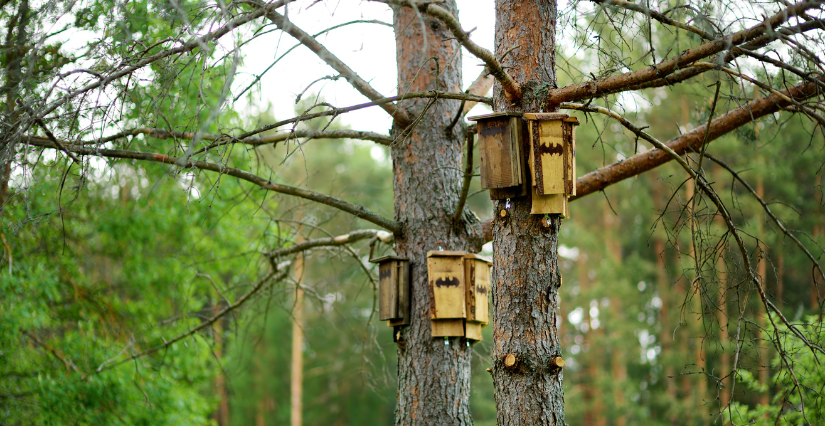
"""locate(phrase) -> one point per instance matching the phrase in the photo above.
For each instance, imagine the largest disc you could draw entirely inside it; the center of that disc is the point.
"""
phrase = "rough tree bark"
(433, 374)
(526, 276)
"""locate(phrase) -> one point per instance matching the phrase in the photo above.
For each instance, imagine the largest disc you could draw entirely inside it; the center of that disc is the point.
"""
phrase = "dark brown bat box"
(500, 149)
(552, 161)
(477, 284)
(393, 289)
(445, 271)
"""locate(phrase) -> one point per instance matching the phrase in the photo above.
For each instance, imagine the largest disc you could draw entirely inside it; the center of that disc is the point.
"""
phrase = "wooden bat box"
(477, 279)
(552, 161)
(501, 152)
(393, 289)
(445, 271)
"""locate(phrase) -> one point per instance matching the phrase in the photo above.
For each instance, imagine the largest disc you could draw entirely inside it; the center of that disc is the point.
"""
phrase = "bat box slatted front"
(500, 149)
(477, 283)
(552, 161)
(445, 270)
(393, 289)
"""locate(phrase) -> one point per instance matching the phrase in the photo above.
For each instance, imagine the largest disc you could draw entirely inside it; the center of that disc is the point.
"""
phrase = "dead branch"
(401, 116)
(616, 83)
(468, 177)
(771, 214)
(340, 240)
(355, 210)
(640, 163)
(253, 141)
(657, 16)
(611, 174)
(339, 111)
(482, 84)
(273, 276)
(66, 361)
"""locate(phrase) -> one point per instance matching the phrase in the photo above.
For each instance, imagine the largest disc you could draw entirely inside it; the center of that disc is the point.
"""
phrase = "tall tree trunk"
(617, 355)
(761, 270)
(296, 377)
(433, 374)
(526, 274)
(666, 297)
(594, 408)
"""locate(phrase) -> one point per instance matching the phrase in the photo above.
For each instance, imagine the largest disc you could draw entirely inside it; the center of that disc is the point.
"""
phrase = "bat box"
(445, 271)
(501, 152)
(477, 284)
(552, 161)
(393, 289)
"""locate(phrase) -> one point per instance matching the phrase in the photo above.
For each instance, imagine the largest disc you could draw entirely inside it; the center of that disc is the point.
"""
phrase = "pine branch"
(340, 240)
(656, 15)
(273, 276)
(622, 82)
(254, 141)
(339, 111)
(600, 179)
(355, 210)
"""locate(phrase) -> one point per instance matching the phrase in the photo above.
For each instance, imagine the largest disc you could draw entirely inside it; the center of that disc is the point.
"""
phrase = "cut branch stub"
(510, 361)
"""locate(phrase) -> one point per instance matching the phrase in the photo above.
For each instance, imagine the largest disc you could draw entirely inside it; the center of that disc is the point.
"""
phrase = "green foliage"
(793, 392)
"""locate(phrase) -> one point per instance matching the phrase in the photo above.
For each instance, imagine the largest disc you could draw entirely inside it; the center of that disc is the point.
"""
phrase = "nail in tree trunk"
(526, 275)
(433, 374)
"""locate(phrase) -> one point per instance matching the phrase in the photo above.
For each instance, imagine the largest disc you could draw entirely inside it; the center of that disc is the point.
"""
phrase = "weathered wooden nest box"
(477, 279)
(552, 161)
(502, 154)
(393, 290)
(459, 286)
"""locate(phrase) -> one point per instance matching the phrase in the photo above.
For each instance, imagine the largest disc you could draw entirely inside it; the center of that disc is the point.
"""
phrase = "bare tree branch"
(401, 116)
(66, 361)
(273, 276)
(772, 215)
(355, 210)
(615, 83)
(482, 84)
(340, 240)
(468, 176)
(254, 141)
(339, 111)
(637, 164)
(599, 179)
(735, 52)
(657, 16)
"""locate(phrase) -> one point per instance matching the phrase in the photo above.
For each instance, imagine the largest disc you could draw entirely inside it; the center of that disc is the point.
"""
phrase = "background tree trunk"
(433, 374)
(526, 275)
(296, 376)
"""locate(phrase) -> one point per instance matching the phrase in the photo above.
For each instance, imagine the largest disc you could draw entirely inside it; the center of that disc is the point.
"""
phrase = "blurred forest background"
(119, 256)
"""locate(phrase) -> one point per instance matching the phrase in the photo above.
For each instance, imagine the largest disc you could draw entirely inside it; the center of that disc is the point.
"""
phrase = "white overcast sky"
(369, 49)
